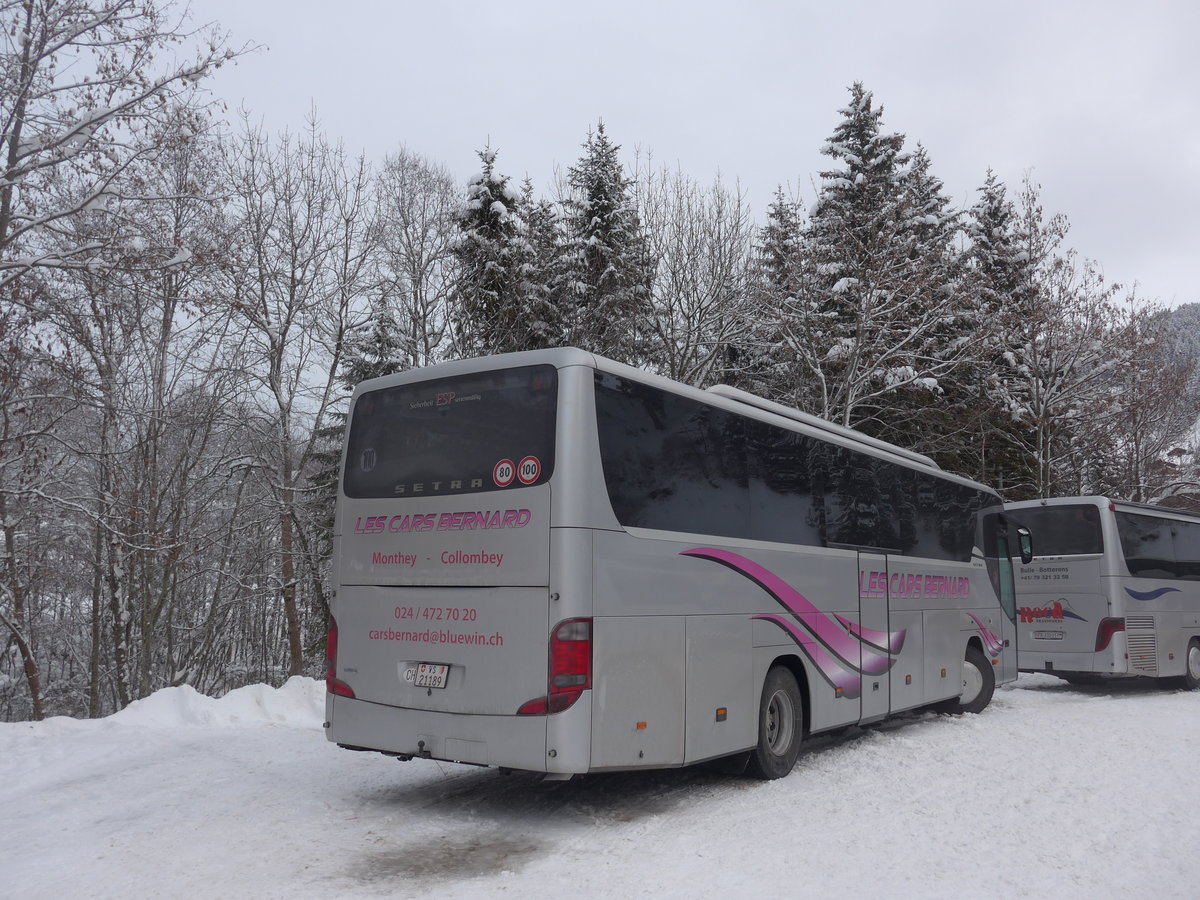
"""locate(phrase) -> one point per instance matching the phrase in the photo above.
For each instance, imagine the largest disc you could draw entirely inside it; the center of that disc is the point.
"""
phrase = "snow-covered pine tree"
(759, 363)
(491, 252)
(542, 272)
(998, 287)
(609, 274)
(931, 229)
(865, 327)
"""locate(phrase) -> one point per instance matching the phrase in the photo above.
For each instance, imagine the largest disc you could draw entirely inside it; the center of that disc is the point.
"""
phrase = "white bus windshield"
(1062, 530)
(481, 432)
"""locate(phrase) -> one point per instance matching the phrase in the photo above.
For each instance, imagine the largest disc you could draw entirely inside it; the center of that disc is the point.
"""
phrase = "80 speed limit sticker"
(504, 472)
(529, 470)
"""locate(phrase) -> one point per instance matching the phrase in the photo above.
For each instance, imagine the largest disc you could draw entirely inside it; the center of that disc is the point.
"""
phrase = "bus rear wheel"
(979, 683)
(1191, 671)
(780, 726)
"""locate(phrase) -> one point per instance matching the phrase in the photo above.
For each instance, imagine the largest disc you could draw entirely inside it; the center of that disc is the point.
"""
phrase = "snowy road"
(1053, 792)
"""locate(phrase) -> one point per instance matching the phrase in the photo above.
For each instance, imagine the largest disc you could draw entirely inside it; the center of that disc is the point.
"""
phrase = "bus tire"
(979, 683)
(1191, 665)
(780, 726)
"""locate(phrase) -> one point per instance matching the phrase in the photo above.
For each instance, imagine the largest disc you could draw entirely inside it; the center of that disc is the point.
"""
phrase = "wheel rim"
(1194, 661)
(781, 723)
(972, 683)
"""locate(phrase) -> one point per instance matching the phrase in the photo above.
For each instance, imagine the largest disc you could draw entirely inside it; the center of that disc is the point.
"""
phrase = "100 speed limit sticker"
(527, 471)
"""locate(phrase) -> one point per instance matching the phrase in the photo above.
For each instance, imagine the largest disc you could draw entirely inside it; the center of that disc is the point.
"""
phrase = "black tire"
(780, 726)
(979, 683)
(1191, 666)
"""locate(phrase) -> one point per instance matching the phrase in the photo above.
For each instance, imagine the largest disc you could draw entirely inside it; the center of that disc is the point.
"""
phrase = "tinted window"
(1187, 549)
(784, 477)
(453, 435)
(671, 463)
(1148, 544)
(1062, 530)
(676, 464)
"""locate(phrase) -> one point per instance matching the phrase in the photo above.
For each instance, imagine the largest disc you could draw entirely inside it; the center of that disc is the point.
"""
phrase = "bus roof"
(1107, 502)
(721, 396)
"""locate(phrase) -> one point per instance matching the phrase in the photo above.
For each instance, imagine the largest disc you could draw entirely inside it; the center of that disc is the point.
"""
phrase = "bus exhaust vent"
(1142, 643)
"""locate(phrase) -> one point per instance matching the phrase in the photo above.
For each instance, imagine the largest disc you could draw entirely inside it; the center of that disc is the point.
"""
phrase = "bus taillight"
(570, 668)
(332, 684)
(1105, 631)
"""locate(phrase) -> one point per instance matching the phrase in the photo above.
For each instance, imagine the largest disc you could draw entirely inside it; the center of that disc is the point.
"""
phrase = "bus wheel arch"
(979, 682)
(1191, 665)
(781, 721)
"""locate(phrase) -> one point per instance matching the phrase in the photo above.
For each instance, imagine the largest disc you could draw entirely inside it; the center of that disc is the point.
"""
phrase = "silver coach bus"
(1115, 590)
(552, 562)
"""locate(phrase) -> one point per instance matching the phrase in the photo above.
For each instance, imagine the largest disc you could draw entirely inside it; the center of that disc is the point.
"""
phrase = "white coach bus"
(552, 562)
(1115, 590)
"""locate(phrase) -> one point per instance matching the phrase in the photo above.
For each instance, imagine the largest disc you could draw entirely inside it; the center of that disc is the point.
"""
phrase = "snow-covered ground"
(1053, 792)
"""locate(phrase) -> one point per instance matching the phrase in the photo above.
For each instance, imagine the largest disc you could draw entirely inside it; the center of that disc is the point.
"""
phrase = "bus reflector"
(1105, 631)
(332, 684)
(570, 668)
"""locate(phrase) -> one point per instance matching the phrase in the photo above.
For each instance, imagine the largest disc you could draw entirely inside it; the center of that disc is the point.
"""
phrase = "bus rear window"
(1062, 530)
(482, 432)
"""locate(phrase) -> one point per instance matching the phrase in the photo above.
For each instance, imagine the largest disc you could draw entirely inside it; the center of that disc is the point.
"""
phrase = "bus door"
(1007, 591)
(874, 621)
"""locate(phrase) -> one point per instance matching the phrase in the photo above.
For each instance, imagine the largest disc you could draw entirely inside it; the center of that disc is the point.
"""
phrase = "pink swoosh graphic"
(889, 641)
(991, 643)
(831, 668)
(825, 630)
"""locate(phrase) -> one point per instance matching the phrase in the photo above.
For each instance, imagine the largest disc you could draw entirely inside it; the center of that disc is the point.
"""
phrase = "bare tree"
(82, 89)
(700, 249)
(417, 201)
(298, 278)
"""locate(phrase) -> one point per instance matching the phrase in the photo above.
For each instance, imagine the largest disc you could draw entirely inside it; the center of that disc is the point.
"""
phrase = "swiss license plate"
(431, 675)
(1048, 635)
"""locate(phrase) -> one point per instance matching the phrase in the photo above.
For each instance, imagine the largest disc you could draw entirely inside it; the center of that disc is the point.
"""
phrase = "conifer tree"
(542, 274)
(868, 323)
(776, 283)
(999, 288)
(609, 276)
(491, 252)
(930, 228)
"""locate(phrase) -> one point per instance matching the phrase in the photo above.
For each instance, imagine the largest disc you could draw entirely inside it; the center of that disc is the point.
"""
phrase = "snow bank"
(300, 703)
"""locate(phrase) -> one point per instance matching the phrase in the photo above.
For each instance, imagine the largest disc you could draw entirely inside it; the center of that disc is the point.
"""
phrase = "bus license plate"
(431, 675)
(1048, 635)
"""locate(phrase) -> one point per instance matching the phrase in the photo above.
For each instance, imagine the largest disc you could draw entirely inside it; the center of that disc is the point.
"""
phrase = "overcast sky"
(1098, 100)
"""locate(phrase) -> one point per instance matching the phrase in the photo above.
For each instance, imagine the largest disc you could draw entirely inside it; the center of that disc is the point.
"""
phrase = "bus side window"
(1187, 550)
(1148, 544)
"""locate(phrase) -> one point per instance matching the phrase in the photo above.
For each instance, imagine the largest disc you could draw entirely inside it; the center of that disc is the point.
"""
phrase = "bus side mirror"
(1025, 542)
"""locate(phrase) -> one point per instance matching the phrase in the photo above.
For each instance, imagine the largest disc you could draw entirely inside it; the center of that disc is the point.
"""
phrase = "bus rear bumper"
(1056, 663)
(557, 743)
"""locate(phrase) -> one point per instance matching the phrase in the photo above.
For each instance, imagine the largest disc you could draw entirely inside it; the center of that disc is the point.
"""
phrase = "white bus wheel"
(780, 726)
(1191, 672)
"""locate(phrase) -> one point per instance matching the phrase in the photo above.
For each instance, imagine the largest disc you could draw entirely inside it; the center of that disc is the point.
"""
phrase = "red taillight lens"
(1105, 631)
(332, 684)
(570, 668)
